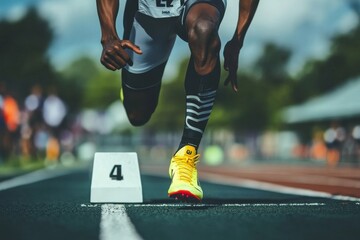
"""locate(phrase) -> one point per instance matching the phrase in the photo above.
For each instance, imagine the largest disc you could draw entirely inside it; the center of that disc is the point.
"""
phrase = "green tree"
(86, 85)
(271, 65)
(24, 60)
(324, 75)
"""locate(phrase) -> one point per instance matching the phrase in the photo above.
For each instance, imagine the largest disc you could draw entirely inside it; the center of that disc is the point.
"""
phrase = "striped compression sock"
(200, 98)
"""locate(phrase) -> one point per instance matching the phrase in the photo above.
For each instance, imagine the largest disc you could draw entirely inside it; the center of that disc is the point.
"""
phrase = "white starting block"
(116, 178)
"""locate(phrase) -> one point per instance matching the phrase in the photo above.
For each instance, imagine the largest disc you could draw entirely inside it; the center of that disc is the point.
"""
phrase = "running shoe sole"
(185, 196)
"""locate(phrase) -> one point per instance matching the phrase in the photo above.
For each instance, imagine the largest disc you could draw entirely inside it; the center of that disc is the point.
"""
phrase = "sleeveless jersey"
(161, 8)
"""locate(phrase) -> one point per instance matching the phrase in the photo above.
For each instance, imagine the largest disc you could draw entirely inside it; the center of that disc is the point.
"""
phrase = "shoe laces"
(185, 166)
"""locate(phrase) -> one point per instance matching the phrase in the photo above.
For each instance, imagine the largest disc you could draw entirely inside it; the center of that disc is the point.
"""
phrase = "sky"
(305, 27)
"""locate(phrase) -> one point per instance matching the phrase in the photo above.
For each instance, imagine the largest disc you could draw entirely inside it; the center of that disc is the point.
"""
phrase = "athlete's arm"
(247, 9)
(113, 55)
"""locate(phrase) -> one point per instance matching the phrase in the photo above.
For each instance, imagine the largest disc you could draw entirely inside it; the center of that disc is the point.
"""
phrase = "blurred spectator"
(34, 101)
(318, 148)
(52, 151)
(10, 120)
(41, 137)
(32, 121)
(11, 113)
(356, 133)
(54, 111)
(334, 138)
(36, 131)
(34, 105)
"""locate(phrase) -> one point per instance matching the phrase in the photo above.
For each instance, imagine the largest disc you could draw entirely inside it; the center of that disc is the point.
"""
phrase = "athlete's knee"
(137, 119)
(203, 31)
(140, 110)
(205, 44)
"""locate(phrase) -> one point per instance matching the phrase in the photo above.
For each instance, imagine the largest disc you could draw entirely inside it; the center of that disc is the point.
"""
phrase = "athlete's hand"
(114, 56)
(231, 60)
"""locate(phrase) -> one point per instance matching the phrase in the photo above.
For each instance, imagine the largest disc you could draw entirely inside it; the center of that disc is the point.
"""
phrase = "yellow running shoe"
(185, 186)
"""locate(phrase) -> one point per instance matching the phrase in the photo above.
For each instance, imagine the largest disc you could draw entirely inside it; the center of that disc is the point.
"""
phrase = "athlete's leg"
(203, 74)
(202, 19)
(140, 102)
(141, 82)
(141, 98)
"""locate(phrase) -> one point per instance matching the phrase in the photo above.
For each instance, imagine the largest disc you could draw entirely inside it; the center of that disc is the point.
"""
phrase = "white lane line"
(214, 205)
(229, 205)
(309, 179)
(89, 205)
(231, 181)
(115, 223)
(36, 176)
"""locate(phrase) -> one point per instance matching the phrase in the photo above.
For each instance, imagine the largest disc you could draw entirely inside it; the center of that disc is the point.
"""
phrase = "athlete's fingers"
(130, 45)
(233, 82)
(108, 65)
(226, 65)
(114, 61)
(120, 55)
(110, 56)
(114, 55)
(227, 56)
(232, 78)
(117, 52)
(133, 47)
(119, 59)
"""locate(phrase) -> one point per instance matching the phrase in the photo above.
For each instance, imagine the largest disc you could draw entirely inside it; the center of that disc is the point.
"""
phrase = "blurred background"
(298, 99)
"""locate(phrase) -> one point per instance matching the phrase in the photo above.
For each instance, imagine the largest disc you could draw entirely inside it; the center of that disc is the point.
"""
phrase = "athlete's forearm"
(247, 9)
(107, 11)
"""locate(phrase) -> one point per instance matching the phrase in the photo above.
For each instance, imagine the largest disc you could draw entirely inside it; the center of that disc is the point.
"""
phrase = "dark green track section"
(52, 209)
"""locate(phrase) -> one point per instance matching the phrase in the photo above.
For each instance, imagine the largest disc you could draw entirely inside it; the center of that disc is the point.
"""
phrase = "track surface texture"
(59, 208)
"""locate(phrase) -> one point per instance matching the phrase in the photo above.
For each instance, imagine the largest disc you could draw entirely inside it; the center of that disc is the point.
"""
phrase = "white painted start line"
(115, 223)
(201, 205)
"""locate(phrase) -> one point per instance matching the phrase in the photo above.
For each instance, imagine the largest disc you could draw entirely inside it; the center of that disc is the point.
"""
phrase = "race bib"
(161, 8)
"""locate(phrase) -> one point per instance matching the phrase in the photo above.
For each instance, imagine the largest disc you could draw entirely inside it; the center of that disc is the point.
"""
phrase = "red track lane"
(337, 181)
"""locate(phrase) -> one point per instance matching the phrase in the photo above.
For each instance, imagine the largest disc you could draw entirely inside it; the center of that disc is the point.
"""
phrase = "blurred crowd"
(337, 144)
(39, 127)
(33, 128)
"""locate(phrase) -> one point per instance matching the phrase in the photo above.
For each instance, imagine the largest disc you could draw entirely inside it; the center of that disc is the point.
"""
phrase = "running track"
(257, 202)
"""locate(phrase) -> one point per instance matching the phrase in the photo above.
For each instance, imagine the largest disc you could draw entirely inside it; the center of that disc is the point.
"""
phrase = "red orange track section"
(337, 181)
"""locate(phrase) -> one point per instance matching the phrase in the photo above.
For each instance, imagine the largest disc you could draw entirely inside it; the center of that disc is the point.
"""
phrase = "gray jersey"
(161, 8)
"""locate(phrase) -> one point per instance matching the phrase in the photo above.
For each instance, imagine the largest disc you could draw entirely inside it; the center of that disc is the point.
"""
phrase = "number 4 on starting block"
(116, 178)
